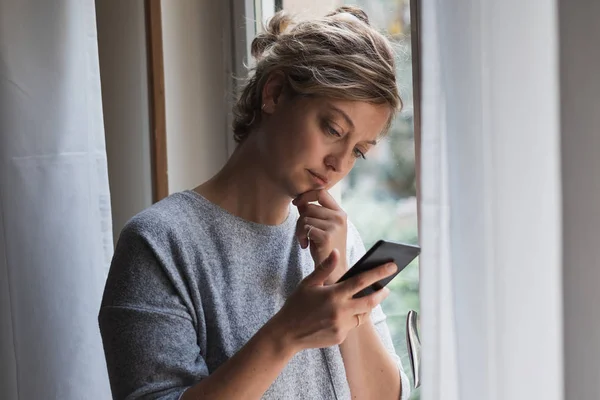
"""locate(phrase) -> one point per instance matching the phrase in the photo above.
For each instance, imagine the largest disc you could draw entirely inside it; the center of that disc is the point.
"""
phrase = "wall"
(195, 90)
(124, 78)
(580, 114)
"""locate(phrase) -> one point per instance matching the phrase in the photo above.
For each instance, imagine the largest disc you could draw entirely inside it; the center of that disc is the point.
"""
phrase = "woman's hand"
(326, 225)
(318, 315)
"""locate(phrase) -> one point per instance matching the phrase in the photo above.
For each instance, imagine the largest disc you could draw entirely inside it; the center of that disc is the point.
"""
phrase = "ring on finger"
(310, 227)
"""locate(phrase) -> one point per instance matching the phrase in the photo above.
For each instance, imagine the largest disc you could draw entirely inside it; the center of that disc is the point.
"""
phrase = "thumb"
(324, 269)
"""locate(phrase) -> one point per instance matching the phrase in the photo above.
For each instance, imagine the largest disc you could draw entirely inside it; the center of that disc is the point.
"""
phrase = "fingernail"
(392, 268)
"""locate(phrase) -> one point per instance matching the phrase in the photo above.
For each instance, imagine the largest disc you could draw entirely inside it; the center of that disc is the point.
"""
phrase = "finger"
(367, 303)
(306, 197)
(303, 225)
(367, 278)
(322, 196)
(335, 218)
(316, 211)
(323, 269)
(317, 236)
(302, 233)
(322, 224)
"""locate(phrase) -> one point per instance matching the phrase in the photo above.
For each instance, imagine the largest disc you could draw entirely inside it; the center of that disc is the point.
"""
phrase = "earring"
(263, 106)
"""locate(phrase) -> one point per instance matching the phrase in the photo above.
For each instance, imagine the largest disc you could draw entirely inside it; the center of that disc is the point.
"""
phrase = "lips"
(320, 179)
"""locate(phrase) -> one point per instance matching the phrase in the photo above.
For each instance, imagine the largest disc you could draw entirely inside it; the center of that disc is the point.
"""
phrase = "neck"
(243, 188)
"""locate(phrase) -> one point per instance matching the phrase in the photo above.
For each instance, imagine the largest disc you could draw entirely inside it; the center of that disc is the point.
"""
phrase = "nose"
(339, 161)
(332, 163)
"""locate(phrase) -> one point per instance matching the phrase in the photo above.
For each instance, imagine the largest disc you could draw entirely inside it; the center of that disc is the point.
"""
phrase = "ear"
(272, 91)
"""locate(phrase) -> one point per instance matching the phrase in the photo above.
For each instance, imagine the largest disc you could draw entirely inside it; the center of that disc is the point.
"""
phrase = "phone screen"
(381, 253)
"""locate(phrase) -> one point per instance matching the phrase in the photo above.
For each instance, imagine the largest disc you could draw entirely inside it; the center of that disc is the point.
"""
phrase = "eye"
(331, 130)
(359, 154)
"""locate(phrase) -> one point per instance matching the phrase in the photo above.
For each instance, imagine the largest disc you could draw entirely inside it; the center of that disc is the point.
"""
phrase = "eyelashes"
(359, 154)
(333, 132)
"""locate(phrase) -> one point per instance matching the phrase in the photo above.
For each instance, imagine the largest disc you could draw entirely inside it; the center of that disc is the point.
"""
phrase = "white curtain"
(55, 220)
(439, 366)
(491, 217)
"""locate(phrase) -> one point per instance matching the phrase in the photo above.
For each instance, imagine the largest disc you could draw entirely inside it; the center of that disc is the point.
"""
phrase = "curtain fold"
(55, 217)
(439, 365)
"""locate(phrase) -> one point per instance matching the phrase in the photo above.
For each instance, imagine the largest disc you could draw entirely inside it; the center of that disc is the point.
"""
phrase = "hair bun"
(338, 56)
(354, 11)
(275, 27)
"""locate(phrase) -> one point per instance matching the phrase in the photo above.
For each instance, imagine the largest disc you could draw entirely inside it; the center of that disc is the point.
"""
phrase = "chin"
(298, 191)
(296, 187)
(294, 190)
(309, 189)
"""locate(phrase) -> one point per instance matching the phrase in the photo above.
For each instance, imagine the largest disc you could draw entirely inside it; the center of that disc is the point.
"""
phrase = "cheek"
(298, 143)
(307, 144)
(285, 152)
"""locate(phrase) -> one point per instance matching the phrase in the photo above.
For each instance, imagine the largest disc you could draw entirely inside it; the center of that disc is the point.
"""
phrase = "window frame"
(237, 36)
(415, 37)
(157, 102)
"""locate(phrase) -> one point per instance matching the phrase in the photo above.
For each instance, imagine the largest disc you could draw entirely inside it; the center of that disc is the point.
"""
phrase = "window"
(379, 194)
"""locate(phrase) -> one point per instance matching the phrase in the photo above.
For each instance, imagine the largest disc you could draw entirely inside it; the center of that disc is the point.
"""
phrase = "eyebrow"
(349, 121)
(343, 114)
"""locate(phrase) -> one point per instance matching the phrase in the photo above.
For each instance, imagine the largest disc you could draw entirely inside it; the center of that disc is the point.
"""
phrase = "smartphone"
(381, 253)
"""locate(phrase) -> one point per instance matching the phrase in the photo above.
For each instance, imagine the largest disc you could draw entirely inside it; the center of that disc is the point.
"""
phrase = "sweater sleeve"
(356, 249)
(149, 335)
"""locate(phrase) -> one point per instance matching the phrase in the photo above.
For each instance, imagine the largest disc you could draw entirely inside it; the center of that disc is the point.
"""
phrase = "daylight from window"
(379, 195)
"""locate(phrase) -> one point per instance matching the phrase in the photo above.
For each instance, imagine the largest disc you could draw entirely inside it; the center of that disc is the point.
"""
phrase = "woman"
(213, 293)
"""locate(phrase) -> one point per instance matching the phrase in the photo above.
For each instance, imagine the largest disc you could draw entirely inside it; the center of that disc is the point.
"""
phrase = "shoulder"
(167, 219)
(146, 261)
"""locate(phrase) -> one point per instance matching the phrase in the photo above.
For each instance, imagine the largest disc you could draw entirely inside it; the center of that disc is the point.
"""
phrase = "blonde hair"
(339, 56)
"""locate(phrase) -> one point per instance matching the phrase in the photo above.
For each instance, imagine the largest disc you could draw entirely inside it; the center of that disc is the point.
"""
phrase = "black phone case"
(382, 252)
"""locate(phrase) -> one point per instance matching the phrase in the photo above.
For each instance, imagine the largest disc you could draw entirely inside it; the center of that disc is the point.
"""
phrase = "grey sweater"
(190, 284)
